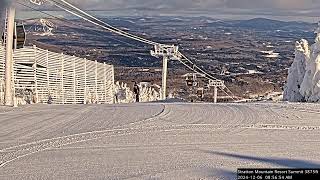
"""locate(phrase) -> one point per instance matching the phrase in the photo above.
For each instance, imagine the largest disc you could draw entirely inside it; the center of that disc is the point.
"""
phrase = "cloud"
(3, 5)
(258, 7)
(201, 4)
(302, 8)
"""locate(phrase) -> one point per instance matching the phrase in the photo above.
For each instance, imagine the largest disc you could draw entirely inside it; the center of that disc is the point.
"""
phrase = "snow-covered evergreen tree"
(310, 87)
(123, 93)
(297, 72)
(304, 75)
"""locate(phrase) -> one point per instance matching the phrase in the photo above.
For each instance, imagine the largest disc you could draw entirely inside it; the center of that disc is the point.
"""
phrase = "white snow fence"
(41, 76)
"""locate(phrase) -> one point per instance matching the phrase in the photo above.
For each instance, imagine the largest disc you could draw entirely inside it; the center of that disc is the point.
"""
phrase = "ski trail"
(174, 121)
(10, 154)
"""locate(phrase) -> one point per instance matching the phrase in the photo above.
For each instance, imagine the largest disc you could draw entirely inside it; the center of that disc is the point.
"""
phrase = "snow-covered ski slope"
(156, 141)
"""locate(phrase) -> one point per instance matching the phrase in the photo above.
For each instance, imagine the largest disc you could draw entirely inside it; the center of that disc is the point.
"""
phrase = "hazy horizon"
(285, 10)
(29, 14)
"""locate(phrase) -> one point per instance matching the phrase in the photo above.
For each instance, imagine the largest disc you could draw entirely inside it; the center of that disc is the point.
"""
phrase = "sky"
(245, 6)
(3, 4)
(300, 9)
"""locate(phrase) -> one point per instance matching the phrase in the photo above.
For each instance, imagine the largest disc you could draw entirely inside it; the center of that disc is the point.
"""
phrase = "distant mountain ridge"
(265, 24)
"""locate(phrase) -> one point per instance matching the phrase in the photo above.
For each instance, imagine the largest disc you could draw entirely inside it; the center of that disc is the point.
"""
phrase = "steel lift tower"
(216, 84)
(8, 43)
(168, 52)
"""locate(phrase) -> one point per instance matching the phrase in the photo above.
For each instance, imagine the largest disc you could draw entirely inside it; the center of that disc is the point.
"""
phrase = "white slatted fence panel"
(2, 60)
(66, 79)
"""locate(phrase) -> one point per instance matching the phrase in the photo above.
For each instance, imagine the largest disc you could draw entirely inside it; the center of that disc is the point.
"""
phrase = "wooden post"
(112, 83)
(35, 74)
(48, 74)
(62, 79)
(105, 81)
(96, 81)
(74, 81)
(85, 82)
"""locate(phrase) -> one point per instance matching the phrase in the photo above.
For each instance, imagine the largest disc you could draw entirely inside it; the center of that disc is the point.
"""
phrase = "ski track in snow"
(30, 130)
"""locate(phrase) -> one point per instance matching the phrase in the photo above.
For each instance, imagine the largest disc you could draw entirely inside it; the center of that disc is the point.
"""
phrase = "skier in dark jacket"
(136, 91)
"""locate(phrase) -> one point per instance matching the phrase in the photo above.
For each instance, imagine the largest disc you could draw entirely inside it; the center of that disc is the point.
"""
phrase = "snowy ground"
(156, 141)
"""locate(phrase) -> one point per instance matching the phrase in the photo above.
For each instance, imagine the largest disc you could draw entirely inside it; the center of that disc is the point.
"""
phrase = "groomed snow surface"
(156, 141)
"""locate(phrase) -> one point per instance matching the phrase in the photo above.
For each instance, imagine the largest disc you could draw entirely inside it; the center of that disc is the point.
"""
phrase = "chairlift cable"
(87, 17)
(79, 25)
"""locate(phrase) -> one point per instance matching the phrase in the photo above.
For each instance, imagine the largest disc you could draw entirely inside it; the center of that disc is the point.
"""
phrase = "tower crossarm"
(169, 51)
(38, 2)
(216, 83)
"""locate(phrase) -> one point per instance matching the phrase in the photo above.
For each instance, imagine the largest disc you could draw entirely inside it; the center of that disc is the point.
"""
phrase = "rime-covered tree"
(310, 87)
(297, 72)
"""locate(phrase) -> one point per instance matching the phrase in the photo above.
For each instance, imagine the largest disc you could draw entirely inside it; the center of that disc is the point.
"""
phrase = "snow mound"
(304, 75)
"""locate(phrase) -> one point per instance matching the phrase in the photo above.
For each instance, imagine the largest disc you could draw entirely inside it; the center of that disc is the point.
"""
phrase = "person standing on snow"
(136, 91)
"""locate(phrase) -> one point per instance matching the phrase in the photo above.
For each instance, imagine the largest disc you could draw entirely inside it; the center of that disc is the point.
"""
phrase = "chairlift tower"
(216, 84)
(8, 44)
(167, 52)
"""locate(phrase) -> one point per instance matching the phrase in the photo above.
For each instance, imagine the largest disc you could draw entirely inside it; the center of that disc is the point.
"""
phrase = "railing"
(41, 76)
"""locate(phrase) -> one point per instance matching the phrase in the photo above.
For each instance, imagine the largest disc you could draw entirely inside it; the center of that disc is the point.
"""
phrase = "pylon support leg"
(9, 58)
(215, 94)
(164, 77)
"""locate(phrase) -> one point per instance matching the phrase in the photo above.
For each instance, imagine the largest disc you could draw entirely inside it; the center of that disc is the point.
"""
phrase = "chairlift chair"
(195, 84)
(191, 81)
(20, 36)
(200, 92)
(206, 88)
